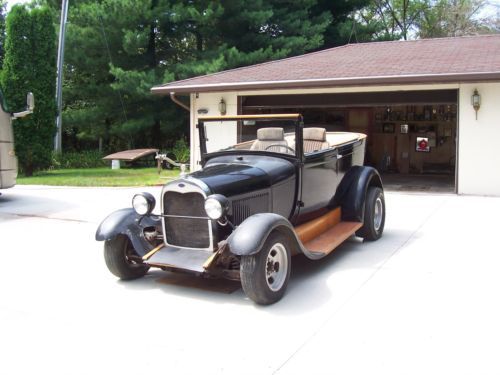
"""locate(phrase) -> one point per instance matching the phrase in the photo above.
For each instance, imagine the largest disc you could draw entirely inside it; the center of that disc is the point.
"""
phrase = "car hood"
(235, 175)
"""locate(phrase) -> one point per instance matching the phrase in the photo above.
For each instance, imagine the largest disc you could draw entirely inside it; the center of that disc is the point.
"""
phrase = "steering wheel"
(280, 145)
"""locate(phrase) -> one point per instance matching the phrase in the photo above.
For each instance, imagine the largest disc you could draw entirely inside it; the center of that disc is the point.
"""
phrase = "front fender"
(126, 221)
(250, 236)
(351, 192)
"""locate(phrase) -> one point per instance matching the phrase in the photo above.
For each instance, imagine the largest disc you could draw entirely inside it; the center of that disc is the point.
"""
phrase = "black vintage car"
(253, 205)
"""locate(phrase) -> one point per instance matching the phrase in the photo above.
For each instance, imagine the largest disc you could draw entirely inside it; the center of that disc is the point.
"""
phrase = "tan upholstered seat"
(315, 139)
(270, 139)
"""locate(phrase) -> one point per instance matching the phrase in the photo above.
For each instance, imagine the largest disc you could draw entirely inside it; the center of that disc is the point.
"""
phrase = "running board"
(332, 238)
(185, 259)
(322, 235)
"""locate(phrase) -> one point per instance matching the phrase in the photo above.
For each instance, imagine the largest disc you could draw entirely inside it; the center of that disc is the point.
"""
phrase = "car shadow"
(308, 288)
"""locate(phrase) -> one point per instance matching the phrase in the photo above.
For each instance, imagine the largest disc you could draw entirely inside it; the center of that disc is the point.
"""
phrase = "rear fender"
(351, 192)
(126, 221)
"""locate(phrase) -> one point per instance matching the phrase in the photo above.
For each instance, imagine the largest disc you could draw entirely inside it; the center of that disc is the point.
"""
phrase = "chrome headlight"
(143, 203)
(216, 206)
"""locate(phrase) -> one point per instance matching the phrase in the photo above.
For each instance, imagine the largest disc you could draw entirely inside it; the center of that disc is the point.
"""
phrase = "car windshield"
(276, 136)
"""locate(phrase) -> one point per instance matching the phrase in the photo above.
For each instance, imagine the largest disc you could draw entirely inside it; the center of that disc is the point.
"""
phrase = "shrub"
(83, 159)
(181, 151)
(30, 65)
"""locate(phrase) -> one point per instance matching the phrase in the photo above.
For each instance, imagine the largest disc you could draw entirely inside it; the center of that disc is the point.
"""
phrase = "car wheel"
(264, 276)
(122, 260)
(374, 215)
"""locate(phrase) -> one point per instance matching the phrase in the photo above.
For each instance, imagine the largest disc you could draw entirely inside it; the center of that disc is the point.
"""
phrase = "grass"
(99, 177)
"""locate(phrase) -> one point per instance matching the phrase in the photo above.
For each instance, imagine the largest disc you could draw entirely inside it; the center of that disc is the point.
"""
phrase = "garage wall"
(227, 133)
(219, 134)
(479, 141)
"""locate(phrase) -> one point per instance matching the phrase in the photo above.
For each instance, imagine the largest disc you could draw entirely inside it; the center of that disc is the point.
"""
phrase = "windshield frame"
(296, 119)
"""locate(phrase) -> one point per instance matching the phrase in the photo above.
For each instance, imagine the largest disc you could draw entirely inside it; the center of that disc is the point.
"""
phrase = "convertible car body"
(291, 190)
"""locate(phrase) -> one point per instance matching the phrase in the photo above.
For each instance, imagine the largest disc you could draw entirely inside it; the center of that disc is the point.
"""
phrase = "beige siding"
(479, 141)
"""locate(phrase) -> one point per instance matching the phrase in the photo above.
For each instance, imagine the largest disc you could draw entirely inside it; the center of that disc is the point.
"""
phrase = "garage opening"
(412, 135)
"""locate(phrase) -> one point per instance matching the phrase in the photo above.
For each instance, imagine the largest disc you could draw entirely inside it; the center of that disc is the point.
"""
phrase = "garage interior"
(412, 135)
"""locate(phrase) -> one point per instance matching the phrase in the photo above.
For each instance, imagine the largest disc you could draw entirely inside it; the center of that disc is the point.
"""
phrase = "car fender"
(126, 221)
(249, 237)
(351, 192)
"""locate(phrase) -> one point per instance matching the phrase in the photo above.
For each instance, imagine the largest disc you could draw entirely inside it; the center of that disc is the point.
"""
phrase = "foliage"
(116, 50)
(407, 19)
(99, 177)
(82, 159)
(30, 65)
(181, 151)
(446, 18)
(3, 3)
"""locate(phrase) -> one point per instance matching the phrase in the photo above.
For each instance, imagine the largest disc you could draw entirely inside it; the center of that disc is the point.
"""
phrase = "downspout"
(178, 102)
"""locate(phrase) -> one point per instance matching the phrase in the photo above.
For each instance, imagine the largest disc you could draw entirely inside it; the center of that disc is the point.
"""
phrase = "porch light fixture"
(476, 101)
(222, 107)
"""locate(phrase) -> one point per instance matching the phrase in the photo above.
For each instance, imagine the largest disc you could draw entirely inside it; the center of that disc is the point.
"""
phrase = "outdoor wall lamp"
(476, 101)
(222, 107)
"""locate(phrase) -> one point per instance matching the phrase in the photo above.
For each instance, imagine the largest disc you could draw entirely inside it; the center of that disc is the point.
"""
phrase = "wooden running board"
(333, 237)
(323, 234)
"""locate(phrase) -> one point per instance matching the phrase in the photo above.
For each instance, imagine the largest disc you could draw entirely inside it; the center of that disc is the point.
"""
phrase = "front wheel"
(264, 276)
(122, 260)
(374, 215)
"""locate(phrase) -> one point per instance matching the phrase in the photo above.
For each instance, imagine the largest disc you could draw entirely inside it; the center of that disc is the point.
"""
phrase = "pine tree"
(116, 50)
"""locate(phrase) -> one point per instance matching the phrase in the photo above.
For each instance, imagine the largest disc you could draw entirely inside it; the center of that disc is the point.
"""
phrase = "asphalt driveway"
(422, 300)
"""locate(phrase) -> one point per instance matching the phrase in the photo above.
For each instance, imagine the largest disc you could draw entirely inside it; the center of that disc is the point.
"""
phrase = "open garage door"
(412, 135)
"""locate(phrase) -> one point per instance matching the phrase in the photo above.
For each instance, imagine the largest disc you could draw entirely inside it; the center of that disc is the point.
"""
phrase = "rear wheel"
(122, 260)
(373, 226)
(264, 276)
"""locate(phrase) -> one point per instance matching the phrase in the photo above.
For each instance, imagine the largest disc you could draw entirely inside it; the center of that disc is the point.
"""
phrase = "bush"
(181, 151)
(30, 65)
(83, 159)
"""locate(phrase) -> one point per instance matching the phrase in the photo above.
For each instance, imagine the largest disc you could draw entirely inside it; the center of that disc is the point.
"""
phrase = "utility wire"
(111, 61)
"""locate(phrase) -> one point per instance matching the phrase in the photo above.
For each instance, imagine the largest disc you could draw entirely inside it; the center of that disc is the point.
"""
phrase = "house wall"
(221, 135)
(479, 141)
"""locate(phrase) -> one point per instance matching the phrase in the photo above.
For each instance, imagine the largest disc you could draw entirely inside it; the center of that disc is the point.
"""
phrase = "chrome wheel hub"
(276, 267)
(378, 214)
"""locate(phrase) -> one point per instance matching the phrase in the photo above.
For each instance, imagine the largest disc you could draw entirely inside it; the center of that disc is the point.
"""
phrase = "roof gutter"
(178, 102)
(332, 82)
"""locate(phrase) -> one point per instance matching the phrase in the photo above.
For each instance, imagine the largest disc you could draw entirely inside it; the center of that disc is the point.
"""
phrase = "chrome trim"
(189, 186)
(187, 217)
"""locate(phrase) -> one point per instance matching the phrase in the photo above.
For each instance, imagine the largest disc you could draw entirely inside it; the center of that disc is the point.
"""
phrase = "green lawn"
(100, 177)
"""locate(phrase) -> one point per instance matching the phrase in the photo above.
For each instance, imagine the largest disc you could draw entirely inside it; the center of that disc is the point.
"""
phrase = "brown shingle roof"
(473, 58)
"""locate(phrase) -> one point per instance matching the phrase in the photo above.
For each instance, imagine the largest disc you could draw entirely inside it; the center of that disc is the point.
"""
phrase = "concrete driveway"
(422, 300)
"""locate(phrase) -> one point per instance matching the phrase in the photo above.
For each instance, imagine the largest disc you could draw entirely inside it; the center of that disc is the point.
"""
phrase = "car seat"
(315, 139)
(270, 139)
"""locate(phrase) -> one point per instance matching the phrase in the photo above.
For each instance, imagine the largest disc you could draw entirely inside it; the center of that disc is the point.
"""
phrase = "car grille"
(187, 224)
(248, 206)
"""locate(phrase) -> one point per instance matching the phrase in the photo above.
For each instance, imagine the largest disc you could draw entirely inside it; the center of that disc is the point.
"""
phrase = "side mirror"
(30, 106)
(30, 101)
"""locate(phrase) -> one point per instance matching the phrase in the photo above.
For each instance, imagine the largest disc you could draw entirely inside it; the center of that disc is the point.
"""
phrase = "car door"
(320, 178)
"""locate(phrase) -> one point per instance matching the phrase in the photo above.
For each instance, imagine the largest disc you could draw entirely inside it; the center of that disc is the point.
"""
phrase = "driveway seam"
(46, 217)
